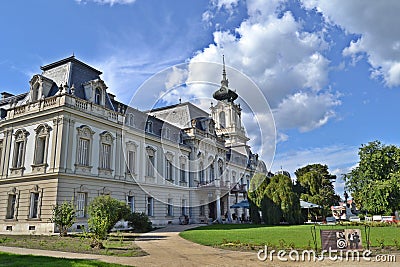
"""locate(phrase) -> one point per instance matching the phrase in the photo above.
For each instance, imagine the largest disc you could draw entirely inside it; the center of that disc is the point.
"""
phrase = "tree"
(375, 183)
(276, 199)
(314, 185)
(63, 216)
(104, 212)
(286, 202)
(256, 195)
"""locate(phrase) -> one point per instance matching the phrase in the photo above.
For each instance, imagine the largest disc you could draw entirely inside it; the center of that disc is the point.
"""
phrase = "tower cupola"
(224, 93)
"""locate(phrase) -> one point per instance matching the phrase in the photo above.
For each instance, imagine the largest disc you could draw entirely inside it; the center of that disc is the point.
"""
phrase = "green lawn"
(14, 260)
(247, 236)
(122, 245)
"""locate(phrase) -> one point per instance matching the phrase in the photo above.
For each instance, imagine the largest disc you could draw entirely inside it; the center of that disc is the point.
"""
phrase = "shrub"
(63, 216)
(139, 221)
(104, 212)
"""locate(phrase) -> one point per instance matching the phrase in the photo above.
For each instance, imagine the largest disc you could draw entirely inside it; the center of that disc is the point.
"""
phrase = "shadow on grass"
(15, 260)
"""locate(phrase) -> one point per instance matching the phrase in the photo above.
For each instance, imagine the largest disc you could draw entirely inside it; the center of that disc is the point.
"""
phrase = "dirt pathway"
(166, 248)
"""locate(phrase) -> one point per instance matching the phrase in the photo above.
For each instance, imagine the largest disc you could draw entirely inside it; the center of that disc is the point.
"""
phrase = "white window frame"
(35, 204)
(41, 144)
(150, 161)
(81, 204)
(170, 207)
(130, 201)
(11, 206)
(84, 150)
(131, 157)
(21, 138)
(106, 150)
(150, 206)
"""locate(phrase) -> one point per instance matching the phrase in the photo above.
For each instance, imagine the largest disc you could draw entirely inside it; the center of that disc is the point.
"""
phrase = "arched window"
(35, 92)
(201, 173)
(212, 177)
(97, 96)
(106, 142)
(85, 137)
(21, 137)
(220, 168)
(151, 161)
(222, 120)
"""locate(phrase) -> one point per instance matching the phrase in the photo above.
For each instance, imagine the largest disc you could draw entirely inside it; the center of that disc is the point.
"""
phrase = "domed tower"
(227, 114)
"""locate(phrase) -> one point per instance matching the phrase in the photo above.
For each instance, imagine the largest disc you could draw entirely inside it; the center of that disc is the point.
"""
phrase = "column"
(117, 158)
(70, 146)
(218, 200)
(62, 144)
(228, 208)
(7, 146)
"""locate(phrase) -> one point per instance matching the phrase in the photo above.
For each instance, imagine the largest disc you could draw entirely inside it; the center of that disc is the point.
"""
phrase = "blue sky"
(330, 70)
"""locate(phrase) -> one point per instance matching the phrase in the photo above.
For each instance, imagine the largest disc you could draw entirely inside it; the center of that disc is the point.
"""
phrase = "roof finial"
(224, 79)
(223, 70)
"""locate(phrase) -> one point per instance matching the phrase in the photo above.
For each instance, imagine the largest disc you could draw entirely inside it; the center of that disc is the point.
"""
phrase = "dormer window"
(97, 96)
(149, 126)
(35, 92)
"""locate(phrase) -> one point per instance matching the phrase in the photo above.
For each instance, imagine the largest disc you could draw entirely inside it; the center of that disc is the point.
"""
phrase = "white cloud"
(228, 5)
(306, 111)
(108, 2)
(375, 22)
(284, 60)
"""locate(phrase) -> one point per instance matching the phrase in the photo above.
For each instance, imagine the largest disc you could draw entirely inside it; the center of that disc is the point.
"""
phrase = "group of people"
(241, 219)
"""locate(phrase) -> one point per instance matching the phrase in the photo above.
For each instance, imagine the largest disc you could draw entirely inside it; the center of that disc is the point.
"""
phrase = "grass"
(14, 260)
(250, 237)
(122, 245)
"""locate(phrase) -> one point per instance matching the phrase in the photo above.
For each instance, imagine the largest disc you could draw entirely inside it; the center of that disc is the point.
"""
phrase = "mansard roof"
(180, 114)
(66, 60)
(72, 71)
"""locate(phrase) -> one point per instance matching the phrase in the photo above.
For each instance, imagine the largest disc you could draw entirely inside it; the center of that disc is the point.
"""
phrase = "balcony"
(64, 100)
(239, 188)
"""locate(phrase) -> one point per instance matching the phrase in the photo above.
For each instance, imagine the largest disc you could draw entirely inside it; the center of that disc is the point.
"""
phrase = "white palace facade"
(68, 139)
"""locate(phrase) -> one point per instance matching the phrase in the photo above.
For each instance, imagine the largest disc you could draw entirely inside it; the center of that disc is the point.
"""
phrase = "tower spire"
(224, 81)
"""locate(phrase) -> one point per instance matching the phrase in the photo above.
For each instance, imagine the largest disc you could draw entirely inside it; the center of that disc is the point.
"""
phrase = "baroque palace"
(68, 139)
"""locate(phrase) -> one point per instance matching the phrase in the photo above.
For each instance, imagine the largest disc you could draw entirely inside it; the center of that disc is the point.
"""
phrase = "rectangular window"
(150, 166)
(131, 160)
(105, 156)
(34, 206)
(11, 206)
(80, 205)
(168, 170)
(170, 208)
(40, 150)
(150, 206)
(183, 173)
(202, 210)
(183, 208)
(19, 150)
(131, 203)
(83, 152)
